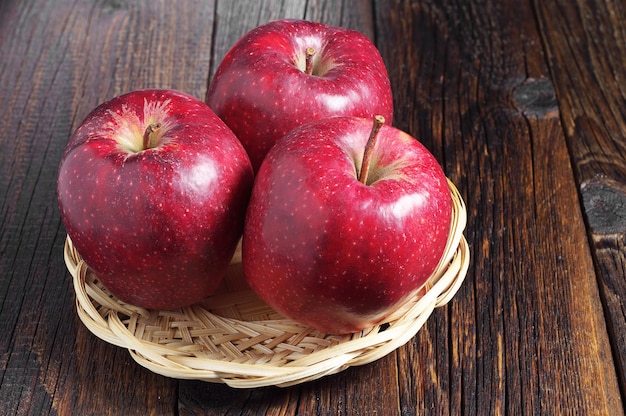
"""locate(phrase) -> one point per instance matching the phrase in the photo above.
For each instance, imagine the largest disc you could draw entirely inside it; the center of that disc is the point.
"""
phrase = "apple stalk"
(309, 53)
(369, 148)
(150, 136)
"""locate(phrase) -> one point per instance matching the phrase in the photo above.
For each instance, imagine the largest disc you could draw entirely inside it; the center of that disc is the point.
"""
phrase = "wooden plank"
(60, 59)
(36, 120)
(519, 338)
(204, 399)
(236, 18)
(350, 391)
(589, 72)
(371, 389)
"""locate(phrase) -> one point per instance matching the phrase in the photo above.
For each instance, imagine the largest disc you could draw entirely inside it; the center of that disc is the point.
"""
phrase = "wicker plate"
(240, 341)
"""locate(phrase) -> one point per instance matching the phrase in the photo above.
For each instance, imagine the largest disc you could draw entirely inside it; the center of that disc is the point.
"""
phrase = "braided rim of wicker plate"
(239, 340)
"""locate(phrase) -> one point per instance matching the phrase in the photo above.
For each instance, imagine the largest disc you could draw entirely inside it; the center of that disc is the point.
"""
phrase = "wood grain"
(589, 72)
(61, 59)
(519, 323)
(520, 101)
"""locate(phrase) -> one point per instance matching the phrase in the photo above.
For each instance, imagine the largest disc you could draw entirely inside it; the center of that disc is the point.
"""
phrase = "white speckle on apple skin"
(156, 225)
(353, 81)
(345, 253)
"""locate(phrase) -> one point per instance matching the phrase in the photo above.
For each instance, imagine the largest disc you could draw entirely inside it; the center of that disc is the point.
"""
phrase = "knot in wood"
(605, 207)
(536, 97)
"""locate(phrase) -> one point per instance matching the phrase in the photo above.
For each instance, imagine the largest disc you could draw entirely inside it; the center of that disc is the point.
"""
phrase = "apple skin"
(328, 251)
(157, 226)
(262, 92)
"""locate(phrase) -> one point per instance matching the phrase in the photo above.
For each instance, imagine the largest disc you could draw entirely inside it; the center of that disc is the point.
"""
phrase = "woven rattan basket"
(235, 338)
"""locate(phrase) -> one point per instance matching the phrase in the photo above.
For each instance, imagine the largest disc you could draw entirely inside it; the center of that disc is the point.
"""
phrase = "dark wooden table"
(522, 102)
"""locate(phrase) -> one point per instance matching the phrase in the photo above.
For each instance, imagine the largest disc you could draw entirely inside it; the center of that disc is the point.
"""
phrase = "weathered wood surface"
(521, 102)
(594, 121)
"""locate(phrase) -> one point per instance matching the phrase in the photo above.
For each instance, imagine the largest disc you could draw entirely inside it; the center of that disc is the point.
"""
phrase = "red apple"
(336, 245)
(268, 84)
(152, 189)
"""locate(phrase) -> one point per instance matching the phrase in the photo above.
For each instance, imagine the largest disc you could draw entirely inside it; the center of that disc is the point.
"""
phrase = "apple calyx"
(309, 53)
(150, 135)
(369, 148)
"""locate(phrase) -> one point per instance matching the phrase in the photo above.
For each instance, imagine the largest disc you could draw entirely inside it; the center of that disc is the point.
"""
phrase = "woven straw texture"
(235, 338)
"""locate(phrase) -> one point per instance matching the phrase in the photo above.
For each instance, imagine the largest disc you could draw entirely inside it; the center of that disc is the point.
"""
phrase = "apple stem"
(149, 136)
(369, 148)
(310, 52)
